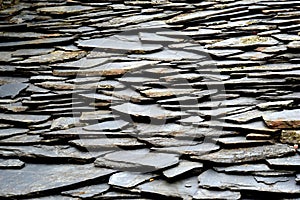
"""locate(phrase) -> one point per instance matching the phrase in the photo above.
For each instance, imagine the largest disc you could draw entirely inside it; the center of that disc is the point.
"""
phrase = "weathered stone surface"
(258, 127)
(46, 178)
(183, 168)
(110, 69)
(129, 179)
(60, 10)
(246, 41)
(195, 77)
(25, 139)
(285, 185)
(55, 56)
(4, 133)
(100, 115)
(245, 168)
(87, 191)
(116, 44)
(28, 119)
(240, 141)
(290, 136)
(286, 162)
(166, 141)
(65, 123)
(252, 56)
(107, 126)
(216, 194)
(62, 153)
(141, 160)
(36, 42)
(199, 149)
(258, 136)
(294, 45)
(250, 154)
(118, 194)
(151, 111)
(32, 52)
(184, 188)
(11, 90)
(111, 143)
(156, 93)
(288, 119)
(275, 105)
(11, 164)
(245, 117)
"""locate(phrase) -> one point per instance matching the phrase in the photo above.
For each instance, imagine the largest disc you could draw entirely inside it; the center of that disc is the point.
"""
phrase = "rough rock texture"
(137, 99)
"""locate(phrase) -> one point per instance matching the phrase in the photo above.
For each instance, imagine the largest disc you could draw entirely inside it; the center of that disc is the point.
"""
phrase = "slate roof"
(150, 99)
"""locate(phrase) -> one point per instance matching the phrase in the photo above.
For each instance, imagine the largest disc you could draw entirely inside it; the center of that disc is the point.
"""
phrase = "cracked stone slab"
(256, 127)
(129, 179)
(284, 185)
(142, 160)
(101, 143)
(183, 167)
(45, 178)
(254, 169)
(28, 119)
(11, 164)
(36, 42)
(108, 69)
(11, 90)
(66, 123)
(184, 188)
(240, 141)
(245, 117)
(286, 119)
(216, 194)
(275, 105)
(167, 141)
(107, 126)
(55, 56)
(151, 111)
(246, 41)
(10, 132)
(285, 162)
(113, 43)
(87, 191)
(249, 154)
(199, 149)
(61, 10)
(56, 153)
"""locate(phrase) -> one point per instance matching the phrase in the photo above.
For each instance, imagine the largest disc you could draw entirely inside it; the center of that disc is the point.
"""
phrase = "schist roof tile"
(149, 99)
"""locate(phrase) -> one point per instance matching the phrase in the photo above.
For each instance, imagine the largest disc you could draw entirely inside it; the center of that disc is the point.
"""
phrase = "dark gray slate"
(141, 160)
(286, 162)
(287, 119)
(100, 143)
(87, 191)
(198, 149)
(11, 90)
(57, 153)
(129, 179)
(107, 126)
(182, 168)
(4, 133)
(46, 178)
(21, 118)
(184, 189)
(285, 185)
(151, 111)
(216, 194)
(250, 154)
